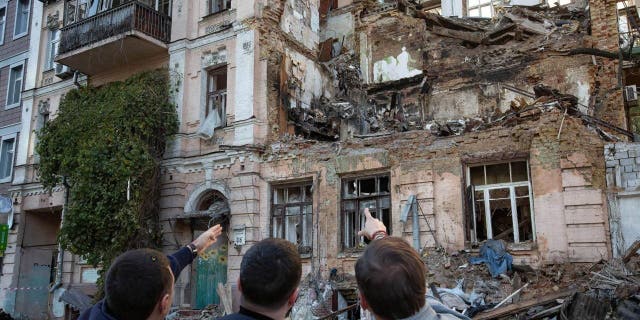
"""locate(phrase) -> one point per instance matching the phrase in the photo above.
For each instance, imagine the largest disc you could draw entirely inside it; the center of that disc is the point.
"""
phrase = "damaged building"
(453, 121)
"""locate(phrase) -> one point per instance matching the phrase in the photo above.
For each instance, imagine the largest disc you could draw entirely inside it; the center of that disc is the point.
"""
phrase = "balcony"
(113, 38)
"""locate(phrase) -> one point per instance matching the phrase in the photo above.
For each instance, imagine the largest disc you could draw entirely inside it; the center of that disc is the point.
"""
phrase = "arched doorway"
(210, 268)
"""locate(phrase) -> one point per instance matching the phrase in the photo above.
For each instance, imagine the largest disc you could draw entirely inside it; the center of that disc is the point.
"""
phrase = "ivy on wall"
(107, 142)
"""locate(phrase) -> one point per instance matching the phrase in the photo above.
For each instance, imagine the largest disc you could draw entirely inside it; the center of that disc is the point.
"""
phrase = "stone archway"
(202, 191)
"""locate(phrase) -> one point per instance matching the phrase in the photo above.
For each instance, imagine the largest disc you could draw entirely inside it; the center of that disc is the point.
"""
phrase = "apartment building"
(18, 20)
(74, 43)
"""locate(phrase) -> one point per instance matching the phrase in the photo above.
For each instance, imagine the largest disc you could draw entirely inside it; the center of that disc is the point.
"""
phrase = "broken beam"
(631, 251)
(521, 306)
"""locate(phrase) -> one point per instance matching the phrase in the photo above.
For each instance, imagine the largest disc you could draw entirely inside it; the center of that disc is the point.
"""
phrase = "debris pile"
(607, 289)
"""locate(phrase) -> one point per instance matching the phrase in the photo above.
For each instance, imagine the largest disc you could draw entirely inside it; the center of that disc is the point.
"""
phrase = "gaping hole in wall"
(501, 202)
(368, 192)
(292, 215)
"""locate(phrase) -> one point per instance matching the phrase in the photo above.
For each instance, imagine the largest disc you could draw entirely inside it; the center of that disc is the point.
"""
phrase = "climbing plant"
(107, 143)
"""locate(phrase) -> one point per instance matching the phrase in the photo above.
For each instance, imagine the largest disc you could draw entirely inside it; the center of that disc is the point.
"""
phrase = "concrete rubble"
(459, 50)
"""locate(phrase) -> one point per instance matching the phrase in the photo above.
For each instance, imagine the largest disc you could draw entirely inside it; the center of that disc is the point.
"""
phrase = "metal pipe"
(416, 226)
(59, 266)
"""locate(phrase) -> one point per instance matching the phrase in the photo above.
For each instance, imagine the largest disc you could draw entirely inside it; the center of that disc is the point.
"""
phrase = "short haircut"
(391, 276)
(135, 282)
(270, 272)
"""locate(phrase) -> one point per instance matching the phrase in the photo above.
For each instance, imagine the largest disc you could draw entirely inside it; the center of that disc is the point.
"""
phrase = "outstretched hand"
(371, 225)
(207, 238)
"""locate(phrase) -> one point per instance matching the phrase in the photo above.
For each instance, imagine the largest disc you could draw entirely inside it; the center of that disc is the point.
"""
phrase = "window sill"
(5, 180)
(522, 246)
(205, 17)
(11, 106)
(18, 36)
(356, 253)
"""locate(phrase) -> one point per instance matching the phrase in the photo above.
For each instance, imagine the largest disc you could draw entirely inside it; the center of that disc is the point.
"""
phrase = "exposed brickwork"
(609, 104)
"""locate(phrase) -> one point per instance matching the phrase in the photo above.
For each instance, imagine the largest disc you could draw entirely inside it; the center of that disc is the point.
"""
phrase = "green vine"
(105, 141)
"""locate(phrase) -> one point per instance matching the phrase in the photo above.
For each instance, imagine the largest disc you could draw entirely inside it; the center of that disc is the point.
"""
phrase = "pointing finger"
(367, 214)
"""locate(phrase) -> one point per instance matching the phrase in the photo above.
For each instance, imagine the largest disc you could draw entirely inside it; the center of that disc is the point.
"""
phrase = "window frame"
(52, 49)
(15, 21)
(377, 196)
(4, 21)
(14, 137)
(486, 188)
(280, 210)
(212, 73)
(479, 7)
(224, 4)
(12, 105)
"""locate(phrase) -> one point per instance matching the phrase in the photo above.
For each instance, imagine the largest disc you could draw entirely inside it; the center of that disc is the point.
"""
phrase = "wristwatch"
(193, 248)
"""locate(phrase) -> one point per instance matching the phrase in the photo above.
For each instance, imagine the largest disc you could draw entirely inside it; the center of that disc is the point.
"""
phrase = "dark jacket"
(178, 260)
(245, 314)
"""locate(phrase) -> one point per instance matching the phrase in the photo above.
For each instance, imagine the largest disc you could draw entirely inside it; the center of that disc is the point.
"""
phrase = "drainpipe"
(76, 75)
(58, 282)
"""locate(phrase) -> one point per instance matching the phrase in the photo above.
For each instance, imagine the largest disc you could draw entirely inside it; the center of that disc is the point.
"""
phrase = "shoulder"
(96, 312)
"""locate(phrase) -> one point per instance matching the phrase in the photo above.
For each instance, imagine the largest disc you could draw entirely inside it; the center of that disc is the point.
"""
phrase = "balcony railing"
(133, 16)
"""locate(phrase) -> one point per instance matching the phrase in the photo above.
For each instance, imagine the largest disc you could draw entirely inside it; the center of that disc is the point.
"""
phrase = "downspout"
(58, 282)
(76, 75)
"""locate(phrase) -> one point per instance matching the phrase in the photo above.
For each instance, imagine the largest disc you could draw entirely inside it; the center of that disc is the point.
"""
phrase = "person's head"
(391, 279)
(139, 285)
(270, 273)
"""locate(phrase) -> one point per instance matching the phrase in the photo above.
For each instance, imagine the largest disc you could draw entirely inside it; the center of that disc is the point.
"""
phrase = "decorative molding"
(44, 106)
(53, 21)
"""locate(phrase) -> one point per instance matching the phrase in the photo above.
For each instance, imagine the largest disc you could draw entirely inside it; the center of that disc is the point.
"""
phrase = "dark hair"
(269, 273)
(135, 282)
(391, 276)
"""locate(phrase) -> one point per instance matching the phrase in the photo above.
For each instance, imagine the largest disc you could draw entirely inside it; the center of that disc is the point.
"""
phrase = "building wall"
(11, 46)
(623, 193)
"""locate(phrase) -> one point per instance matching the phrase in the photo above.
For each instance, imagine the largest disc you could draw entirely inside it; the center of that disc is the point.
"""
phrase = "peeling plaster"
(394, 68)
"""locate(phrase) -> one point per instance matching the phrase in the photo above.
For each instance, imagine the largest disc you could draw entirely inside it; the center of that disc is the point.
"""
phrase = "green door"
(211, 269)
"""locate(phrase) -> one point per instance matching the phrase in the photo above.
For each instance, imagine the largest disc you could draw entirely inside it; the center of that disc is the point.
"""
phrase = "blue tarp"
(494, 254)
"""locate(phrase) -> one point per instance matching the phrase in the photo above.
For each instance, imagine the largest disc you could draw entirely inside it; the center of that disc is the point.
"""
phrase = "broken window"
(292, 214)
(501, 197)
(628, 23)
(480, 8)
(216, 6)
(357, 194)
(216, 102)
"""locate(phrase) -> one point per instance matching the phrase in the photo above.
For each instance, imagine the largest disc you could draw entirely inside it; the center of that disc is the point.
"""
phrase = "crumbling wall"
(406, 68)
(604, 27)
(568, 191)
(301, 20)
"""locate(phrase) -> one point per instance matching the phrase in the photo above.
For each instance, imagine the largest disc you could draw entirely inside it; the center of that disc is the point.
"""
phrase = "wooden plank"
(631, 251)
(523, 305)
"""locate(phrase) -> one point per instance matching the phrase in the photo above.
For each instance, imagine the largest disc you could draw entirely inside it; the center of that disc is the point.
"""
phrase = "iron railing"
(133, 16)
